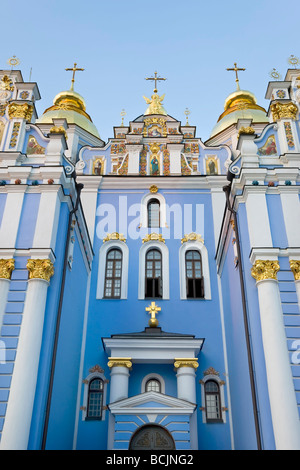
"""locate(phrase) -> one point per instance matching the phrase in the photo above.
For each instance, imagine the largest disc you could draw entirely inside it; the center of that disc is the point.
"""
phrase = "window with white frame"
(113, 270)
(153, 383)
(94, 396)
(153, 270)
(213, 397)
(194, 271)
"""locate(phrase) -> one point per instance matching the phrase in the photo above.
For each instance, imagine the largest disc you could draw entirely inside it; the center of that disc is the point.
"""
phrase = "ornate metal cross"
(74, 69)
(153, 311)
(236, 69)
(155, 79)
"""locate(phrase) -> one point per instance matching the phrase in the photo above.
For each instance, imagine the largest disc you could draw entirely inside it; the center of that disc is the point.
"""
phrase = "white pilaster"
(18, 416)
(119, 378)
(291, 214)
(282, 395)
(258, 219)
(11, 217)
(47, 219)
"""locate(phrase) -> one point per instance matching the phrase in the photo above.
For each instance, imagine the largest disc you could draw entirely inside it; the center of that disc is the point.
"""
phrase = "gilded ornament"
(192, 237)
(6, 83)
(246, 130)
(114, 236)
(6, 268)
(211, 371)
(265, 269)
(158, 121)
(284, 111)
(186, 362)
(58, 130)
(153, 311)
(153, 189)
(20, 111)
(295, 267)
(119, 362)
(96, 368)
(40, 269)
(154, 236)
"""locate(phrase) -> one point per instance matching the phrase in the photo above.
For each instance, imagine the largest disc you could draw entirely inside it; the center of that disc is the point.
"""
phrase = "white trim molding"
(198, 246)
(165, 267)
(118, 244)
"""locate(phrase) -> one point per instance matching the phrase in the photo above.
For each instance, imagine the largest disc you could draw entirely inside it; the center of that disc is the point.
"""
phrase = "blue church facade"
(149, 286)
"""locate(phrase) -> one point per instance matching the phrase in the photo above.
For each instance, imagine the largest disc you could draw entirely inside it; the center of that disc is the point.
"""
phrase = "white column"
(282, 394)
(18, 416)
(6, 268)
(119, 378)
(258, 220)
(291, 214)
(186, 385)
(295, 267)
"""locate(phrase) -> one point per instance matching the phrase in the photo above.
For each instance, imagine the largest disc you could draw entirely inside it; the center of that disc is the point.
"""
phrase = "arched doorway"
(152, 437)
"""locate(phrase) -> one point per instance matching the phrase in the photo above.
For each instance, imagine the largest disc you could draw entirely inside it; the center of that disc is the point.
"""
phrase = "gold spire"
(236, 69)
(74, 69)
(155, 103)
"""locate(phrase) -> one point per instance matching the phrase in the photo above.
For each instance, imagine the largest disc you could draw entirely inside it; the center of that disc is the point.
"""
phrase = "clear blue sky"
(119, 43)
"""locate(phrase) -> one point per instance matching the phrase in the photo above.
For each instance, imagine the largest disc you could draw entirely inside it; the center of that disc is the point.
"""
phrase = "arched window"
(194, 277)
(113, 274)
(153, 209)
(153, 385)
(153, 281)
(95, 399)
(212, 401)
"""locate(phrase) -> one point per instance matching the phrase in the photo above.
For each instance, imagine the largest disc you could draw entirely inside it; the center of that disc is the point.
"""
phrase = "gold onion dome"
(70, 106)
(240, 104)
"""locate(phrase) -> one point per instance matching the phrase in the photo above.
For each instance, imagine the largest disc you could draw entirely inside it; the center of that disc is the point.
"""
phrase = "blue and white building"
(149, 285)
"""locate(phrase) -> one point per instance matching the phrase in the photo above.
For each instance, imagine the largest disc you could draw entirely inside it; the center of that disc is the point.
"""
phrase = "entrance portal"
(152, 437)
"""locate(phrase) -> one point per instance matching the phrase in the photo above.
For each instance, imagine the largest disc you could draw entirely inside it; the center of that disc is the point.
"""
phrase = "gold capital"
(119, 362)
(58, 130)
(186, 362)
(40, 269)
(6, 268)
(284, 111)
(265, 269)
(20, 111)
(295, 267)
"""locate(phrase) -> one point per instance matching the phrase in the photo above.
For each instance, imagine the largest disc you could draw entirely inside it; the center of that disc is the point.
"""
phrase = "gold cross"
(153, 310)
(156, 79)
(74, 69)
(236, 70)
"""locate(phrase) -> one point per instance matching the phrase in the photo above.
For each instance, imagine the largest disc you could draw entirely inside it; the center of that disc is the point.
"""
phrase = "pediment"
(150, 402)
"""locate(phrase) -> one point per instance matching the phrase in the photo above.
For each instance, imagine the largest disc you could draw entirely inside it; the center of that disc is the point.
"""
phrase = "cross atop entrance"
(153, 311)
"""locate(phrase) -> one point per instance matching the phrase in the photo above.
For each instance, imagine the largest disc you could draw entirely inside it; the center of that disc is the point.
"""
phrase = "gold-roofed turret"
(71, 106)
(241, 104)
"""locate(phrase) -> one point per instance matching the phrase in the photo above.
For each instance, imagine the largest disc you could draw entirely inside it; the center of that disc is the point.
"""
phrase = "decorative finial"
(236, 69)
(123, 113)
(187, 112)
(294, 61)
(275, 75)
(13, 62)
(153, 310)
(155, 79)
(74, 69)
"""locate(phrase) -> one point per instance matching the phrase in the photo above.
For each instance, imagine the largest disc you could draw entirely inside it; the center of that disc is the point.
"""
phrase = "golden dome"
(70, 106)
(240, 104)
